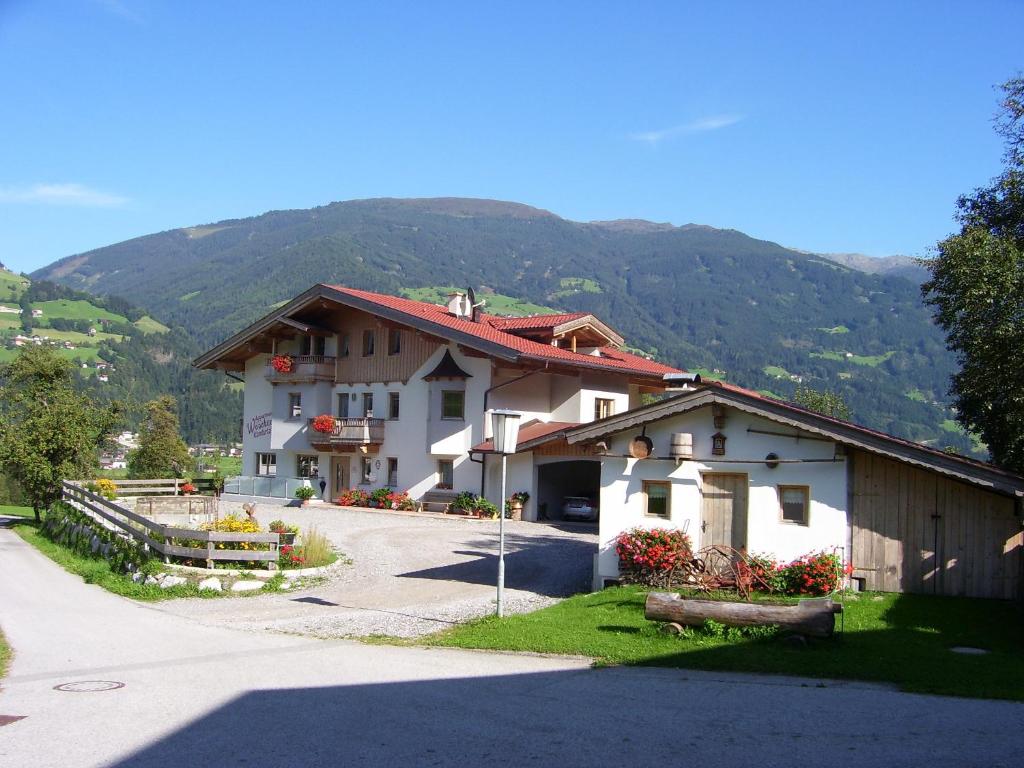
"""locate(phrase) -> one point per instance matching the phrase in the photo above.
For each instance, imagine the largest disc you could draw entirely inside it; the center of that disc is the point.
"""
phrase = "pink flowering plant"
(651, 556)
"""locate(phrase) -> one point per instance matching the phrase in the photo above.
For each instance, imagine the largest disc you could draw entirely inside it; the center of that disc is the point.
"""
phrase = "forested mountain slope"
(694, 296)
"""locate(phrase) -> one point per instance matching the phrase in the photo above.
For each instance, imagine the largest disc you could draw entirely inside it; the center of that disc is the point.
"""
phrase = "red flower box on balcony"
(324, 423)
(282, 363)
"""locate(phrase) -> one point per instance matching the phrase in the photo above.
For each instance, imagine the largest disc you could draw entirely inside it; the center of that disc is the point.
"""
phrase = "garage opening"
(565, 490)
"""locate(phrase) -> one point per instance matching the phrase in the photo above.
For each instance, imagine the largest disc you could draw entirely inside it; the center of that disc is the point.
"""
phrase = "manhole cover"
(89, 686)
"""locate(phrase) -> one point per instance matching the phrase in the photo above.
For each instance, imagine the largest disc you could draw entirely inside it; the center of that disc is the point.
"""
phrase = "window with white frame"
(367, 404)
(266, 464)
(365, 470)
(294, 405)
(603, 407)
(392, 472)
(656, 498)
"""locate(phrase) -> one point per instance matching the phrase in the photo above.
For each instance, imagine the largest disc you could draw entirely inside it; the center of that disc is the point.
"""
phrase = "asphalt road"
(198, 695)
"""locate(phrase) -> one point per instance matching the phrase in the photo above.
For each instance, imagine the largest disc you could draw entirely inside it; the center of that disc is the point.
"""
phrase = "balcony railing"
(305, 368)
(349, 431)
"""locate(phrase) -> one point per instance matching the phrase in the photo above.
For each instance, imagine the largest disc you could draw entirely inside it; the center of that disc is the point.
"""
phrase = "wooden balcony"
(348, 435)
(305, 369)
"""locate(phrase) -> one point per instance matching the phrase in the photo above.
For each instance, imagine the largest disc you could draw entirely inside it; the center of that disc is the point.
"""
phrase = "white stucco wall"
(622, 482)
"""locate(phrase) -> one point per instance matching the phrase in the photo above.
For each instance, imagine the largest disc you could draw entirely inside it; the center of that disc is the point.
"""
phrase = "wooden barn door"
(916, 531)
(724, 511)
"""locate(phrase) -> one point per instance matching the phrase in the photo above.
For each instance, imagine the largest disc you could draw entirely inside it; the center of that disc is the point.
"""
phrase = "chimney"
(458, 305)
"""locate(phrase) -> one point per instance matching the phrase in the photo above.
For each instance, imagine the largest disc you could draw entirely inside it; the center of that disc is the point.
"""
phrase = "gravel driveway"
(410, 574)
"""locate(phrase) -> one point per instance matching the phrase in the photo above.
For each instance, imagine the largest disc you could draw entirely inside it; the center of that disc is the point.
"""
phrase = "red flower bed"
(817, 573)
(282, 363)
(324, 423)
(650, 556)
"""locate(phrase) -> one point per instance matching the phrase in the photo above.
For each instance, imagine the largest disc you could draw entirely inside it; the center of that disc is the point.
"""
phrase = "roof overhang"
(961, 468)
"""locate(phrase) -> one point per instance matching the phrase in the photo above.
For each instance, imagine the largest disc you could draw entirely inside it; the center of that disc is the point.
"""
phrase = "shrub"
(651, 556)
(818, 573)
(304, 492)
(106, 488)
(484, 508)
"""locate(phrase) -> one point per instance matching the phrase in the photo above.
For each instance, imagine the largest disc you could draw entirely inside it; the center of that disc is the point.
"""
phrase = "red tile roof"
(529, 323)
(610, 359)
(531, 430)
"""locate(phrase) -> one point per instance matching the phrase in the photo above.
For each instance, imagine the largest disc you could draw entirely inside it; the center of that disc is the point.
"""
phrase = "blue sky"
(824, 126)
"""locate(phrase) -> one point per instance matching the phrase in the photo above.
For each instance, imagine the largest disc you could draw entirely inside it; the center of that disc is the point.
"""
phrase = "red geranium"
(324, 423)
(187, 488)
(282, 363)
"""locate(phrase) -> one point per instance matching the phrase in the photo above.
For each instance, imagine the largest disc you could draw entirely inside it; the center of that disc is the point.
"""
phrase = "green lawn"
(836, 329)
(777, 372)
(707, 373)
(81, 354)
(900, 639)
(75, 309)
(16, 511)
(147, 324)
(574, 285)
(11, 286)
(870, 360)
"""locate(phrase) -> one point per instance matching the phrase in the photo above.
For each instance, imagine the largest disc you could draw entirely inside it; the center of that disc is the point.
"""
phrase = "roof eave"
(986, 477)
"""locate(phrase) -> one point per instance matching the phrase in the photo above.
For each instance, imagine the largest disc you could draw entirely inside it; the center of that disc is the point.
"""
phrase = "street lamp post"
(505, 435)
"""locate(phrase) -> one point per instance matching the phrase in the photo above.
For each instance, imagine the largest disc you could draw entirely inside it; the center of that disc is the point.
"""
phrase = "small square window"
(603, 407)
(294, 405)
(794, 503)
(445, 474)
(394, 341)
(368, 341)
(453, 404)
(656, 498)
(394, 401)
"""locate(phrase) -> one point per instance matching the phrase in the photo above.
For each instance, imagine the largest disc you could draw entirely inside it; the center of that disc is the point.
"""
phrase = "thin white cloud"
(703, 125)
(118, 8)
(61, 194)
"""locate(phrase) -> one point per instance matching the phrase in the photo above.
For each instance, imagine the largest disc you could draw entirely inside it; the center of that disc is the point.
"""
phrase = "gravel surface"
(410, 574)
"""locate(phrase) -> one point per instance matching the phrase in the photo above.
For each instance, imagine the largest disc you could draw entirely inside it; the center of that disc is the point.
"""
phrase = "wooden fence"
(162, 538)
(170, 485)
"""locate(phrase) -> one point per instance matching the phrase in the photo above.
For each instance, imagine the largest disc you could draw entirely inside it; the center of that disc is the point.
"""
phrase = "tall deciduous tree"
(48, 432)
(977, 289)
(161, 451)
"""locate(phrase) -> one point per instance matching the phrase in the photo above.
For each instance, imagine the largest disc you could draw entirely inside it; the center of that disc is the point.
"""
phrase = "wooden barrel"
(681, 446)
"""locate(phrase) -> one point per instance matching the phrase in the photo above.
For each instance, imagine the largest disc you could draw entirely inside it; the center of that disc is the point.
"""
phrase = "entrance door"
(340, 474)
(724, 511)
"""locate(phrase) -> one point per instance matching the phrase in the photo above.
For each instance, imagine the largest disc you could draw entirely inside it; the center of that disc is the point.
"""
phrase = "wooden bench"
(434, 501)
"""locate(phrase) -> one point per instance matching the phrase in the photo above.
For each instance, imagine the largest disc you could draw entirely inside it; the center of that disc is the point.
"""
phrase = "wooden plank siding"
(380, 366)
(913, 530)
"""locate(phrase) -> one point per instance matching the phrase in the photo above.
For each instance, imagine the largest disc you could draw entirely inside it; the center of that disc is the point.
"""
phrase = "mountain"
(899, 266)
(765, 316)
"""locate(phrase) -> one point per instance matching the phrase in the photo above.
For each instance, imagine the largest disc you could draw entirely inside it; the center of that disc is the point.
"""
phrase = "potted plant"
(286, 533)
(484, 508)
(514, 505)
(304, 493)
(282, 363)
(324, 423)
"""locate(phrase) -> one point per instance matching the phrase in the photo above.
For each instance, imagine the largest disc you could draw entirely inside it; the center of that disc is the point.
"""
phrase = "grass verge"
(98, 571)
(10, 511)
(899, 639)
(5, 655)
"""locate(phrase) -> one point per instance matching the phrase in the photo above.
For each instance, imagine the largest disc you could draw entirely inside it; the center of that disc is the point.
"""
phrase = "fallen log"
(814, 618)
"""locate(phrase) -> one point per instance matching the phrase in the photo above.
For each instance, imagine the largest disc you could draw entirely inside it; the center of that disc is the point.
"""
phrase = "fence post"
(209, 554)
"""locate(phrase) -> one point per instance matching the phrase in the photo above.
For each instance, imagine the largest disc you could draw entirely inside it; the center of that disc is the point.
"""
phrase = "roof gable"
(962, 468)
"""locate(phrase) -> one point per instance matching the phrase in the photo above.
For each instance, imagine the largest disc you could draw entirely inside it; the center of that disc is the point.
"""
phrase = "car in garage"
(579, 508)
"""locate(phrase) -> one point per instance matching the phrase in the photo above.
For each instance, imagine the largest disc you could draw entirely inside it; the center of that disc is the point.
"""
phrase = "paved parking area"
(411, 574)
